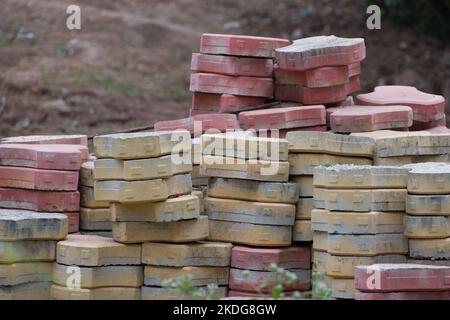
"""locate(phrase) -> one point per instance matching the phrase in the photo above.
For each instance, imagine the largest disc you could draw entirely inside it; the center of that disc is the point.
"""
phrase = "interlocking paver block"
(245, 147)
(257, 278)
(239, 86)
(260, 170)
(25, 272)
(437, 205)
(28, 225)
(87, 174)
(189, 254)
(174, 209)
(51, 157)
(158, 293)
(106, 293)
(367, 245)
(94, 251)
(201, 123)
(404, 160)
(237, 45)
(76, 139)
(283, 118)
(232, 65)
(429, 178)
(304, 208)
(354, 69)
(363, 177)
(250, 212)
(342, 288)
(47, 201)
(430, 248)
(37, 179)
(142, 191)
(320, 241)
(106, 234)
(402, 277)
(26, 291)
(201, 276)
(175, 232)
(87, 199)
(369, 118)
(250, 234)
(142, 169)
(330, 143)
(321, 51)
(253, 190)
(141, 144)
(304, 184)
(319, 259)
(223, 103)
(390, 143)
(302, 231)
(314, 78)
(410, 295)
(304, 163)
(344, 267)
(27, 251)
(305, 95)
(425, 106)
(106, 276)
(95, 219)
(431, 126)
(198, 179)
(427, 227)
(261, 258)
(360, 200)
(445, 263)
(283, 132)
(341, 222)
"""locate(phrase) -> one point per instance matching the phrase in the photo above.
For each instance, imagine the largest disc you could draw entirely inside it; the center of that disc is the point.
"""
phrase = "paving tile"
(342, 288)
(157, 293)
(37, 179)
(304, 184)
(238, 45)
(421, 295)
(95, 219)
(190, 254)
(223, 103)
(404, 160)
(97, 277)
(369, 118)
(354, 69)
(304, 208)
(320, 241)
(106, 293)
(313, 78)
(437, 205)
(51, 157)
(87, 199)
(77, 139)
(434, 249)
(367, 245)
(427, 227)
(429, 178)
(201, 123)
(141, 144)
(426, 107)
(43, 201)
(431, 126)
(94, 251)
(87, 174)
(319, 259)
(310, 96)
(174, 209)
(25, 272)
(363, 177)
(402, 277)
(197, 178)
(250, 234)
(302, 231)
(360, 200)
(201, 276)
(283, 132)
(231, 65)
(250, 212)
(253, 190)
(330, 143)
(201, 198)
(27, 251)
(257, 278)
(304, 163)
(26, 291)
(174, 232)
(321, 51)
(444, 263)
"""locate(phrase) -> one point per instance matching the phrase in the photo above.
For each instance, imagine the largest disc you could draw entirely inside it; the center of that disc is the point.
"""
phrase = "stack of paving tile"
(402, 282)
(41, 177)
(359, 220)
(90, 267)
(258, 262)
(95, 216)
(205, 262)
(427, 224)
(249, 199)
(318, 70)
(232, 73)
(27, 252)
(428, 109)
(397, 148)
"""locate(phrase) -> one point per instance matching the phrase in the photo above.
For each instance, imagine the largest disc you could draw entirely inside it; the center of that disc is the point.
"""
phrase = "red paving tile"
(314, 78)
(222, 103)
(419, 126)
(297, 93)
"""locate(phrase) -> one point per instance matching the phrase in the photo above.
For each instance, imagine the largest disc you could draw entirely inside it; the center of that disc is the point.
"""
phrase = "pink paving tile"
(313, 78)
(305, 95)
(222, 103)
(420, 126)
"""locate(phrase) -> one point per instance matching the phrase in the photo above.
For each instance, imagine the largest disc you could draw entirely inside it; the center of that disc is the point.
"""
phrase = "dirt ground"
(129, 65)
